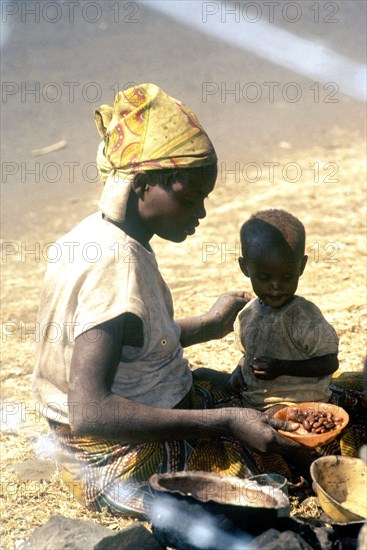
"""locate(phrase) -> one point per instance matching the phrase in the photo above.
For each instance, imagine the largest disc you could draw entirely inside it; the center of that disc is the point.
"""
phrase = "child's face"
(274, 278)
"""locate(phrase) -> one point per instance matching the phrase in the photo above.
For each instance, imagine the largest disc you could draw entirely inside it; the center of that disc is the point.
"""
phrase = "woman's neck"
(134, 230)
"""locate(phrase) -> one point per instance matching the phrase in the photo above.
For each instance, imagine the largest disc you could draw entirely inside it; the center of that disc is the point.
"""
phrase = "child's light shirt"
(295, 331)
(100, 274)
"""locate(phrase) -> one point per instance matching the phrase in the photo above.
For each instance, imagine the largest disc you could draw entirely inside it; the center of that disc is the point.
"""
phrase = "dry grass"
(332, 213)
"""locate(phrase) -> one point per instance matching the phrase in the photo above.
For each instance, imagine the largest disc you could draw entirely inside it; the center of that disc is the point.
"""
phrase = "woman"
(114, 384)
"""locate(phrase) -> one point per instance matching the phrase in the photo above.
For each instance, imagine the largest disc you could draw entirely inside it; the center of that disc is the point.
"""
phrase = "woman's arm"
(94, 410)
(217, 322)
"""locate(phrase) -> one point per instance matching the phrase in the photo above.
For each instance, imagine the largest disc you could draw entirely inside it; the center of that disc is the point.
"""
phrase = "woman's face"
(173, 212)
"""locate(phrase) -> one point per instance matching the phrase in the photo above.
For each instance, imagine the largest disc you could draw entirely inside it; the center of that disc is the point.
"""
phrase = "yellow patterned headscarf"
(146, 129)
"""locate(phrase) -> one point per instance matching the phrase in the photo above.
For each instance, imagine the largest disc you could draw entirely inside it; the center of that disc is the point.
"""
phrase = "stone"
(136, 536)
(269, 537)
(70, 534)
(324, 537)
(315, 534)
(66, 534)
(274, 540)
(292, 541)
(34, 470)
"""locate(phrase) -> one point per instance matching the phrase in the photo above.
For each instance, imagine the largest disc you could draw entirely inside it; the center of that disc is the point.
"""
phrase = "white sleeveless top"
(99, 274)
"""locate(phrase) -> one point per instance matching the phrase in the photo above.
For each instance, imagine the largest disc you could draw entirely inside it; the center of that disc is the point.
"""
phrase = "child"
(290, 350)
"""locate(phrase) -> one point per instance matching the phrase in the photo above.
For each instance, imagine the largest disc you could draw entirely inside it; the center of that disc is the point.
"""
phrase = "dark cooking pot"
(205, 510)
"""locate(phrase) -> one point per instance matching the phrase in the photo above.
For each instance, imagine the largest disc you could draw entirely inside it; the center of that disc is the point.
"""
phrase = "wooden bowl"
(310, 439)
(340, 483)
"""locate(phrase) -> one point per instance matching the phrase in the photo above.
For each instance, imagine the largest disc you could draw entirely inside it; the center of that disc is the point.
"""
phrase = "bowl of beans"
(319, 423)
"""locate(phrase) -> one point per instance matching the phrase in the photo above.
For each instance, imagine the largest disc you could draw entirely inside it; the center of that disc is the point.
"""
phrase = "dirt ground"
(331, 203)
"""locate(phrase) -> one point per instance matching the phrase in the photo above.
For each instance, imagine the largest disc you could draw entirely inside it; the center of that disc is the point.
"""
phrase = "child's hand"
(266, 368)
(236, 383)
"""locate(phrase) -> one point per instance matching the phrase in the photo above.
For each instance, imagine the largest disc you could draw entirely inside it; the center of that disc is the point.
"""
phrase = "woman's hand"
(217, 322)
(256, 430)
(223, 313)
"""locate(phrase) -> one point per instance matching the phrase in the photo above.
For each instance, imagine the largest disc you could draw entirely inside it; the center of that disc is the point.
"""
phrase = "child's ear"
(303, 264)
(243, 266)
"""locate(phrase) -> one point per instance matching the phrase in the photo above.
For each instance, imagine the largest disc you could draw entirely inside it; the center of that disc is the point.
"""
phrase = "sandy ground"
(197, 271)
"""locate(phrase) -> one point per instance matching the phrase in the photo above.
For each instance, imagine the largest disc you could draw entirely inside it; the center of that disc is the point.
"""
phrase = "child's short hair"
(277, 228)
